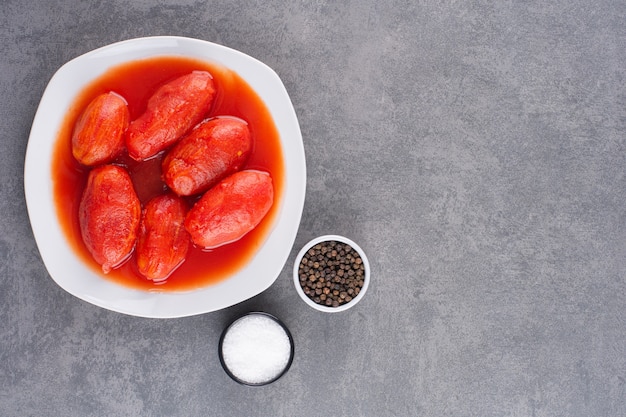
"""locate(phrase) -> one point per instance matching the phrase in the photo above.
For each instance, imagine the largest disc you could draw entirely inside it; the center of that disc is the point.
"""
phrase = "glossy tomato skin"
(213, 150)
(172, 110)
(163, 242)
(98, 136)
(109, 214)
(229, 210)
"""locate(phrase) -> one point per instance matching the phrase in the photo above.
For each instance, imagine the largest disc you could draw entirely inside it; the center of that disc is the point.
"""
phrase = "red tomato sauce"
(136, 82)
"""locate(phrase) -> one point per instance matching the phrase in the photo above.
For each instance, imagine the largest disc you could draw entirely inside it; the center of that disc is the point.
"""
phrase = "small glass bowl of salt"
(256, 349)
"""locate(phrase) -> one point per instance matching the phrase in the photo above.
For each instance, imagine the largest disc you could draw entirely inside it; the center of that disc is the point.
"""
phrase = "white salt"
(256, 349)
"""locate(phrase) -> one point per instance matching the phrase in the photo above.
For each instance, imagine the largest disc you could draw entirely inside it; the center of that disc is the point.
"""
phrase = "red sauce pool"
(136, 81)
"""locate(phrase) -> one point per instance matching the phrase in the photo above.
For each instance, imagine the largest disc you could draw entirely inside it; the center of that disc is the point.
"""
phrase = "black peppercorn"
(331, 273)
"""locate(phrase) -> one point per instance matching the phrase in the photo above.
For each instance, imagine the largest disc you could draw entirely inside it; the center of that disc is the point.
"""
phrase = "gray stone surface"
(476, 150)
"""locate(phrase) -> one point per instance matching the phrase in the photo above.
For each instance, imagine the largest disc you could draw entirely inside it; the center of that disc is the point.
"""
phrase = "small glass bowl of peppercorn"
(331, 273)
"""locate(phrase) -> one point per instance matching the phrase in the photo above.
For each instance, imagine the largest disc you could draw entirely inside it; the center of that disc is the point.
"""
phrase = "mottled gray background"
(476, 151)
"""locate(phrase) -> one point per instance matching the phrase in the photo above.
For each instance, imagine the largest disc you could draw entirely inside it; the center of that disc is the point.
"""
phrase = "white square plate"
(66, 268)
